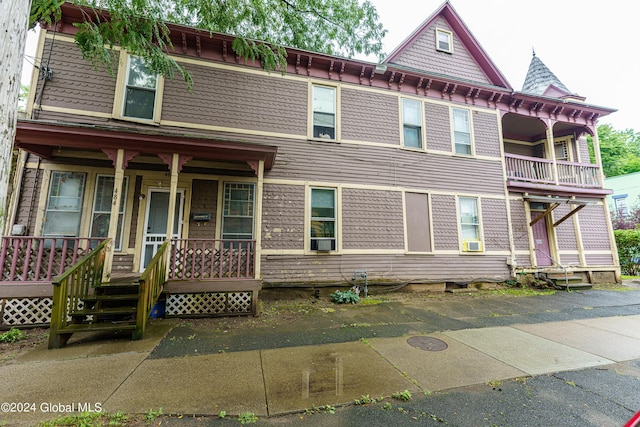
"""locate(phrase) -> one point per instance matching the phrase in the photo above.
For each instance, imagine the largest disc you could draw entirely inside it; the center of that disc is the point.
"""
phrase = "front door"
(541, 241)
(155, 227)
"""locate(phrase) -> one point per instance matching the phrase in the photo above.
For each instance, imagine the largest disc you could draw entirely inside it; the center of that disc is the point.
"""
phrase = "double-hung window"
(324, 112)
(140, 92)
(469, 223)
(412, 123)
(237, 212)
(462, 131)
(323, 219)
(64, 204)
(444, 40)
(101, 215)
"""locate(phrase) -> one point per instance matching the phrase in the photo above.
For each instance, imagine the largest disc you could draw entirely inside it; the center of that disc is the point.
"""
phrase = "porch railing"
(209, 259)
(538, 170)
(151, 282)
(72, 287)
(40, 259)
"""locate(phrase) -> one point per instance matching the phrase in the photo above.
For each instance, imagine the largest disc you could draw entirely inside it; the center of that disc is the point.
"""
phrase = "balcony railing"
(210, 259)
(538, 170)
(40, 259)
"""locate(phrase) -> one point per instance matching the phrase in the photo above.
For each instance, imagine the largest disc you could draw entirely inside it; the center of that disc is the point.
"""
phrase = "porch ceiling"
(42, 138)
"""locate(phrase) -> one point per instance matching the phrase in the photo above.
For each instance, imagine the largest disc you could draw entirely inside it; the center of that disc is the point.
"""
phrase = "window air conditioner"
(473, 246)
(324, 245)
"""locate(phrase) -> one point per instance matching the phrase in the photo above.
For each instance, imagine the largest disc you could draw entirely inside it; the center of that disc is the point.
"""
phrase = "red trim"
(42, 138)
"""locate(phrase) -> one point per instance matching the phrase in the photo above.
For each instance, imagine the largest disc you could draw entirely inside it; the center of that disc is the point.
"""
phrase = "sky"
(590, 45)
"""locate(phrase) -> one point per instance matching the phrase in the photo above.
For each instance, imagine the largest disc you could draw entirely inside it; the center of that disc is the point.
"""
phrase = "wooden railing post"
(151, 283)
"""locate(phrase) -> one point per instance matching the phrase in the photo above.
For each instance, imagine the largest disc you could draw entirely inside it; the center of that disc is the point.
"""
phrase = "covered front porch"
(135, 191)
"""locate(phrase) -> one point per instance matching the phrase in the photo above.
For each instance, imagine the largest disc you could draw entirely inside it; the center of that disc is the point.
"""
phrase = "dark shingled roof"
(539, 78)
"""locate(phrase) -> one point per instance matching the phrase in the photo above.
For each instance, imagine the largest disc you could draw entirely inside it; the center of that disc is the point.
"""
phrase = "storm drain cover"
(427, 343)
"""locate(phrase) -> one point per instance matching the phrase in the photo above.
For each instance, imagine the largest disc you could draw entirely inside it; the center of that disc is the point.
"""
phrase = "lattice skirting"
(25, 311)
(28, 311)
(208, 304)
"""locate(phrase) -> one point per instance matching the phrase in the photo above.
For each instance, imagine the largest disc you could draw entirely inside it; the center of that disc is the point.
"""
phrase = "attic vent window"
(444, 40)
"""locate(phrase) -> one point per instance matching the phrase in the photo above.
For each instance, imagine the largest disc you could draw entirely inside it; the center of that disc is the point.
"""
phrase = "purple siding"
(569, 260)
(486, 134)
(372, 219)
(519, 149)
(495, 225)
(594, 228)
(283, 217)
(368, 116)
(583, 149)
(445, 223)
(282, 269)
(438, 127)
(519, 225)
(28, 199)
(204, 198)
(422, 55)
(75, 83)
(599, 259)
(238, 100)
(565, 232)
(316, 161)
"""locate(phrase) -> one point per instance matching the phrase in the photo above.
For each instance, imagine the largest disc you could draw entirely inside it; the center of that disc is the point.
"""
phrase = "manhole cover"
(427, 343)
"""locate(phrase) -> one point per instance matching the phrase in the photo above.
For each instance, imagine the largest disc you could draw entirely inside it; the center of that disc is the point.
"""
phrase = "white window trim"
(121, 87)
(307, 220)
(462, 241)
(453, 133)
(448, 33)
(46, 196)
(337, 112)
(253, 208)
(423, 144)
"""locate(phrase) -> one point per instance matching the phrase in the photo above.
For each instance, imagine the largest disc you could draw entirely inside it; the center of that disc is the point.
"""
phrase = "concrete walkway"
(185, 375)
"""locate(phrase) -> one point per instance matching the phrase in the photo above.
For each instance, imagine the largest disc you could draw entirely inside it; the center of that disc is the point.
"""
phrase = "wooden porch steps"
(112, 307)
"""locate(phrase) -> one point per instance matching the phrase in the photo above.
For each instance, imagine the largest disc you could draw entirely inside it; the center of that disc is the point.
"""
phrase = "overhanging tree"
(263, 29)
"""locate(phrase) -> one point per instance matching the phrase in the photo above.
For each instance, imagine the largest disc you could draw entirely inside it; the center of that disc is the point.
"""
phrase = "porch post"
(596, 150)
(173, 191)
(551, 150)
(258, 233)
(115, 213)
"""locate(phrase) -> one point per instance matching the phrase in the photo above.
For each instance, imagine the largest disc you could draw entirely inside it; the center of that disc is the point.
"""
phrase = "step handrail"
(72, 287)
(151, 282)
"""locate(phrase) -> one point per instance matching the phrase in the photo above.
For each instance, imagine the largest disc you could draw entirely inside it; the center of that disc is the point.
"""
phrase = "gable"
(467, 60)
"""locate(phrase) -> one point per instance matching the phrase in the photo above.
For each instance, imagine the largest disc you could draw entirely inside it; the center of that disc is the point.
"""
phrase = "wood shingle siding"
(565, 232)
(75, 83)
(204, 198)
(495, 225)
(445, 223)
(423, 55)
(594, 236)
(519, 225)
(283, 217)
(238, 100)
(369, 116)
(372, 219)
(438, 127)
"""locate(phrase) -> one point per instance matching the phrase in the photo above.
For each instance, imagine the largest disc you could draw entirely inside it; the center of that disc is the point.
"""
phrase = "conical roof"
(540, 78)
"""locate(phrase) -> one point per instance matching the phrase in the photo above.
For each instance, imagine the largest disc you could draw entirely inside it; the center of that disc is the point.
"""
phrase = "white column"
(551, 150)
(115, 212)
(173, 191)
(258, 211)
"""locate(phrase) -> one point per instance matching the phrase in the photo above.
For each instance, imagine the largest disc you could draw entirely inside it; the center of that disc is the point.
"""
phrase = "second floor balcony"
(524, 172)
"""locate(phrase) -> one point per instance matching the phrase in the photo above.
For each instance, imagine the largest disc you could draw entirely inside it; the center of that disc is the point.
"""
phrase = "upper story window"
(444, 40)
(562, 152)
(412, 123)
(324, 112)
(139, 92)
(462, 131)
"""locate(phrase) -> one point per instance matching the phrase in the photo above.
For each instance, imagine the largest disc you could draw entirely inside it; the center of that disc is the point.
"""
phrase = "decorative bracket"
(254, 165)
(168, 160)
(112, 154)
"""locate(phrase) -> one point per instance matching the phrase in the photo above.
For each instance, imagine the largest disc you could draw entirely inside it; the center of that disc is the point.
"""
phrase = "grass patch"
(520, 292)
